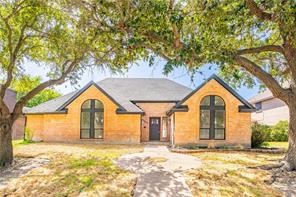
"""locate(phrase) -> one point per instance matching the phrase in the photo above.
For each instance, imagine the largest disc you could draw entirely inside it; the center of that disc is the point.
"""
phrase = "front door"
(154, 128)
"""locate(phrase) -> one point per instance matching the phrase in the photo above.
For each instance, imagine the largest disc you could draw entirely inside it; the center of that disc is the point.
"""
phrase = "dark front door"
(154, 128)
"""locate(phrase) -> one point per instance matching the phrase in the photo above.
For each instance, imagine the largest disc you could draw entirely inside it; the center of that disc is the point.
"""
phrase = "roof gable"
(246, 104)
(78, 93)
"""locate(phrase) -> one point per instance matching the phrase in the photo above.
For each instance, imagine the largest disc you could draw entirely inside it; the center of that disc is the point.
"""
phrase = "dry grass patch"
(232, 174)
(156, 159)
(74, 170)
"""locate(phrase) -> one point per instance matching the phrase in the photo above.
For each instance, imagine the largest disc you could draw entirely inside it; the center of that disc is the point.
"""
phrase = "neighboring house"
(134, 110)
(19, 124)
(269, 110)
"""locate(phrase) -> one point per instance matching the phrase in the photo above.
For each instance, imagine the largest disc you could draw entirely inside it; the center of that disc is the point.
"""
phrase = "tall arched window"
(212, 118)
(92, 119)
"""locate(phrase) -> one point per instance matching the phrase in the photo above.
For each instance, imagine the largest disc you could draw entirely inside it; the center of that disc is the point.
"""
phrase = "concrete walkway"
(159, 171)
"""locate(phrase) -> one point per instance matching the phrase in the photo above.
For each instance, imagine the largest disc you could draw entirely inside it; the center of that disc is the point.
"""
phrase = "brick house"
(269, 110)
(19, 124)
(134, 110)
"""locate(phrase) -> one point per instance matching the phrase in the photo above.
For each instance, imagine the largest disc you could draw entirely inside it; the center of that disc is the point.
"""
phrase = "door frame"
(159, 121)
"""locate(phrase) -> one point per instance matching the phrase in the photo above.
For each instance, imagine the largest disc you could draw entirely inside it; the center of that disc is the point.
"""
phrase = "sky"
(139, 70)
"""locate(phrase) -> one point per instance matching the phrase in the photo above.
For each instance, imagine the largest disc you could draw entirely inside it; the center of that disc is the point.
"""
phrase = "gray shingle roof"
(261, 97)
(145, 89)
(124, 91)
(50, 106)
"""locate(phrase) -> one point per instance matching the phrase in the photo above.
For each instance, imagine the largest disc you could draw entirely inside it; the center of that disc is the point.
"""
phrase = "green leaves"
(26, 83)
(192, 33)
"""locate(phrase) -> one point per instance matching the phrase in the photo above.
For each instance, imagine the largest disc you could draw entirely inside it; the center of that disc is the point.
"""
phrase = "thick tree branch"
(255, 10)
(10, 66)
(176, 32)
(265, 77)
(261, 49)
(22, 101)
(3, 108)
(12, 60)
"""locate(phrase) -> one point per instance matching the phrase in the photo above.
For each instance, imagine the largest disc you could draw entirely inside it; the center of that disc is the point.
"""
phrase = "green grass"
(283, 145)
(20, 142)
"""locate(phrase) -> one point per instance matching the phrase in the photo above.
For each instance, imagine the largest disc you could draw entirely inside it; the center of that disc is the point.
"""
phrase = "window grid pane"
(99, 133)
(206, 101)
(219, 101)
(99, 120)
(219, 134)
(205, 119)
(98, 104)
(85, 120)
(204, 133)
(219, 119)
(85, 133)
(86, 104)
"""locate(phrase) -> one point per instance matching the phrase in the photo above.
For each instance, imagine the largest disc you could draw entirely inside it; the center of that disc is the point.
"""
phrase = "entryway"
(154, 128)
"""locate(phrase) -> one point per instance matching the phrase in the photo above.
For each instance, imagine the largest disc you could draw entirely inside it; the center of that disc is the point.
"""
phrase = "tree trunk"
(6, 152)
(291, 154)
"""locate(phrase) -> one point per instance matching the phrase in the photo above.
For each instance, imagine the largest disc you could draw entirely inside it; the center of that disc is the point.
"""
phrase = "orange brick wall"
(121, 128)
(153, 110)
(238, 124)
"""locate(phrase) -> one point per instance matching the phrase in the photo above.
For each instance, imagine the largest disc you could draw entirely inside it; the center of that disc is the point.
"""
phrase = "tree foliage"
(247, 39)
(23, 85)
(232, 34)
(57, 36)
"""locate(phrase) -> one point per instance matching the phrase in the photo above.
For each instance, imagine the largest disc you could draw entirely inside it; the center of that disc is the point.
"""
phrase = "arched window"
(212, 118)
(92, 119)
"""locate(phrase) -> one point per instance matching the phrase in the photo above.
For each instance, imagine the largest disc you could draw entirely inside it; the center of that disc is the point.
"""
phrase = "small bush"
(279, 132)
(28, 135)
(258, 135)
(268, 132)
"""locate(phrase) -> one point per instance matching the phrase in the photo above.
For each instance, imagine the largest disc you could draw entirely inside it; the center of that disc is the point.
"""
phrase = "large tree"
(57, 36)
(245, 38)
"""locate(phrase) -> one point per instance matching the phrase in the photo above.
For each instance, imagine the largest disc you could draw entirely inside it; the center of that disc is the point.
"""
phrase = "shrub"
(28, 135)
(259, 134)
(279, 132)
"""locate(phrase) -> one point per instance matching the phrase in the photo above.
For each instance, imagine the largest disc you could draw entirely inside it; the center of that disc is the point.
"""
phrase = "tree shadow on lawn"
(72, 170)
(20, 167)
(233, 174)
(67, 175)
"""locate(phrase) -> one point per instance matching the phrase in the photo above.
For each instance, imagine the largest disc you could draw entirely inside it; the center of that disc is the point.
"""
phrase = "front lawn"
(283, 145)
(73, 169)
(232, 174)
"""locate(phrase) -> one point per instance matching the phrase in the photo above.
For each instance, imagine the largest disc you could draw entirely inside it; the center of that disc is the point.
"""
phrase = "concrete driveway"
(159, 171)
